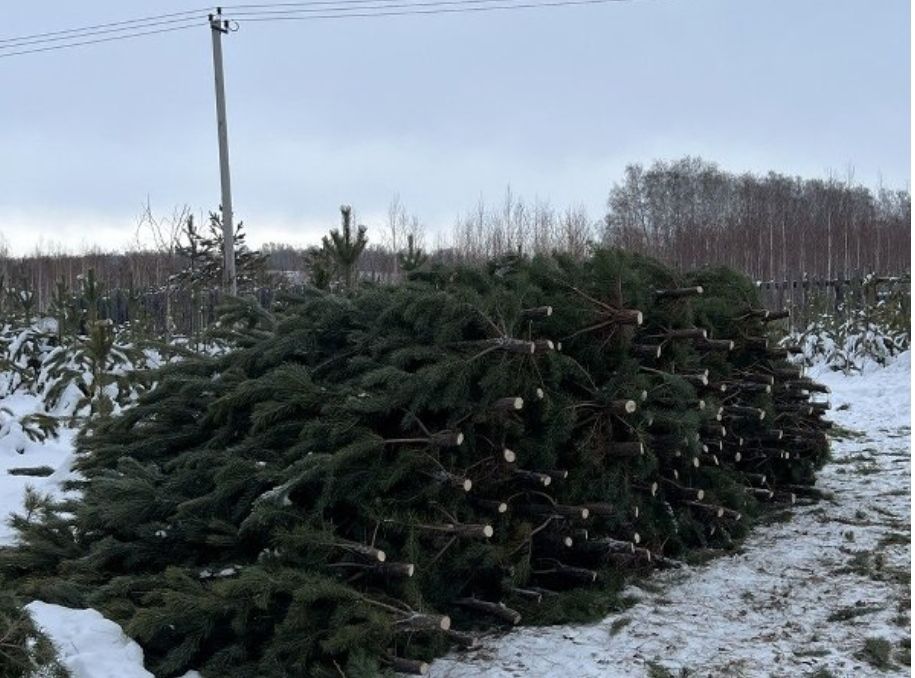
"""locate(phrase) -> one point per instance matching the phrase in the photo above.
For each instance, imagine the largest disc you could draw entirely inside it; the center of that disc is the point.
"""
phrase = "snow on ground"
(798, 597)
(88, 644)
(17, 450)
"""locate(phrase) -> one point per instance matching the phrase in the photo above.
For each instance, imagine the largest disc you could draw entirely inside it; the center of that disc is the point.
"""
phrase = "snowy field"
(800, 598)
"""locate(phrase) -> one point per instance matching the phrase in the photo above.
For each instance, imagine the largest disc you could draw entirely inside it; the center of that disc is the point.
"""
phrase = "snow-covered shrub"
(99, 366)
(73, 377)
(848, 338)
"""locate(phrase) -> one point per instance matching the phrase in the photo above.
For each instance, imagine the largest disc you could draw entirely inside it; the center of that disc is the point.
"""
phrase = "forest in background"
(687, 213)
(773, 227)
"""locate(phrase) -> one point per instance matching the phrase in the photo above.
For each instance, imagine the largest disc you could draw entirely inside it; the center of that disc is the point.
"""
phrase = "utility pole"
(219, 26)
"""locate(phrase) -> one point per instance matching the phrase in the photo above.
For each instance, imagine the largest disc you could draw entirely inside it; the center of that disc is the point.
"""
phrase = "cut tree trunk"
(529, 594)
(537, 312)
(460, 530)
(623, 407)
(627, 449)
(760, 493)
(646, 350)
(714, 344)
(776, 315)
(758, 378)
(741, 411)
(568, 572)
(627, 316)
(465, 640)
(414, 667)
(439, 439)
(455, 481)
(793, 372)
(362, 550)
(490, 505)
(688, 333)
(423, 622)
(532, 477)
(605, 545)
(711, 509)
(679, 292)
(497, 610)
(543, 346)
(602, 509)
(713, 430)
(508, 404)
(510, 345)
(575, 512)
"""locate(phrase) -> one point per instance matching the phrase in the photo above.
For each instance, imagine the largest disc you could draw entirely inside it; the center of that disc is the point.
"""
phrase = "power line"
(52, 48)
(344, 13)
(268, 9)
(355, 5)
(131, 22)
(131, 26)
(264, 12)
(162, 19)
(104, 31)
(265, 5)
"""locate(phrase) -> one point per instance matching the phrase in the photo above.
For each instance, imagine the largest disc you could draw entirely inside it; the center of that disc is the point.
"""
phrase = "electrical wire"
(51, 48)
(104, 31)
(262, 12)
(131, 23)
(355, 5)
(359, 12)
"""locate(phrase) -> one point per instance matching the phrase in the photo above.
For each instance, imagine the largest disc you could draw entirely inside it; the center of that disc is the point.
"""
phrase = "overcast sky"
(440, 109)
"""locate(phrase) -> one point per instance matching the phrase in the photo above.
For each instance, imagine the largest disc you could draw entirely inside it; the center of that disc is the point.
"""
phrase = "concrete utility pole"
(219, 26)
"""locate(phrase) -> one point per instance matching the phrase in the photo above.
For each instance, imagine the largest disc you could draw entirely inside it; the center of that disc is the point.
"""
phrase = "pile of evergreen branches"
(372, 476)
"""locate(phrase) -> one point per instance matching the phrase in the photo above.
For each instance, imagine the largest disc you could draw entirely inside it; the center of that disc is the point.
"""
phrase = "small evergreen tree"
(412, 257)
(92, 295)
(346, 247)
(63, 309)
(93, 360)
(198, 251)
(24, 298)
(320, 263)
(249, 264)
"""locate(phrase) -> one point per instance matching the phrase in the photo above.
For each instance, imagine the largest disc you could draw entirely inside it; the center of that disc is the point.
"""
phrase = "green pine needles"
(412, 257)
(337, 258)
(24, 651)
(369, 478)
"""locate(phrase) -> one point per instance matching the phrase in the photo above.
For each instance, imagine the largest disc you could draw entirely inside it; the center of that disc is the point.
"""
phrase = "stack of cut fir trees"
(371, 478)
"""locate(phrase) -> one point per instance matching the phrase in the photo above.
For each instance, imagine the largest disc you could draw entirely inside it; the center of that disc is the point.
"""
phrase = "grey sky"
(441, 109)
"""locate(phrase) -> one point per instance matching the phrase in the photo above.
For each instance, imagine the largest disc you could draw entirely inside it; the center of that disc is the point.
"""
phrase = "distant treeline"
(686, 212)
(773, 227)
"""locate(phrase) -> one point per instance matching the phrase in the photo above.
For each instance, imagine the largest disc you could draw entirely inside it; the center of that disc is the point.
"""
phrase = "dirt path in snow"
(826, 593)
